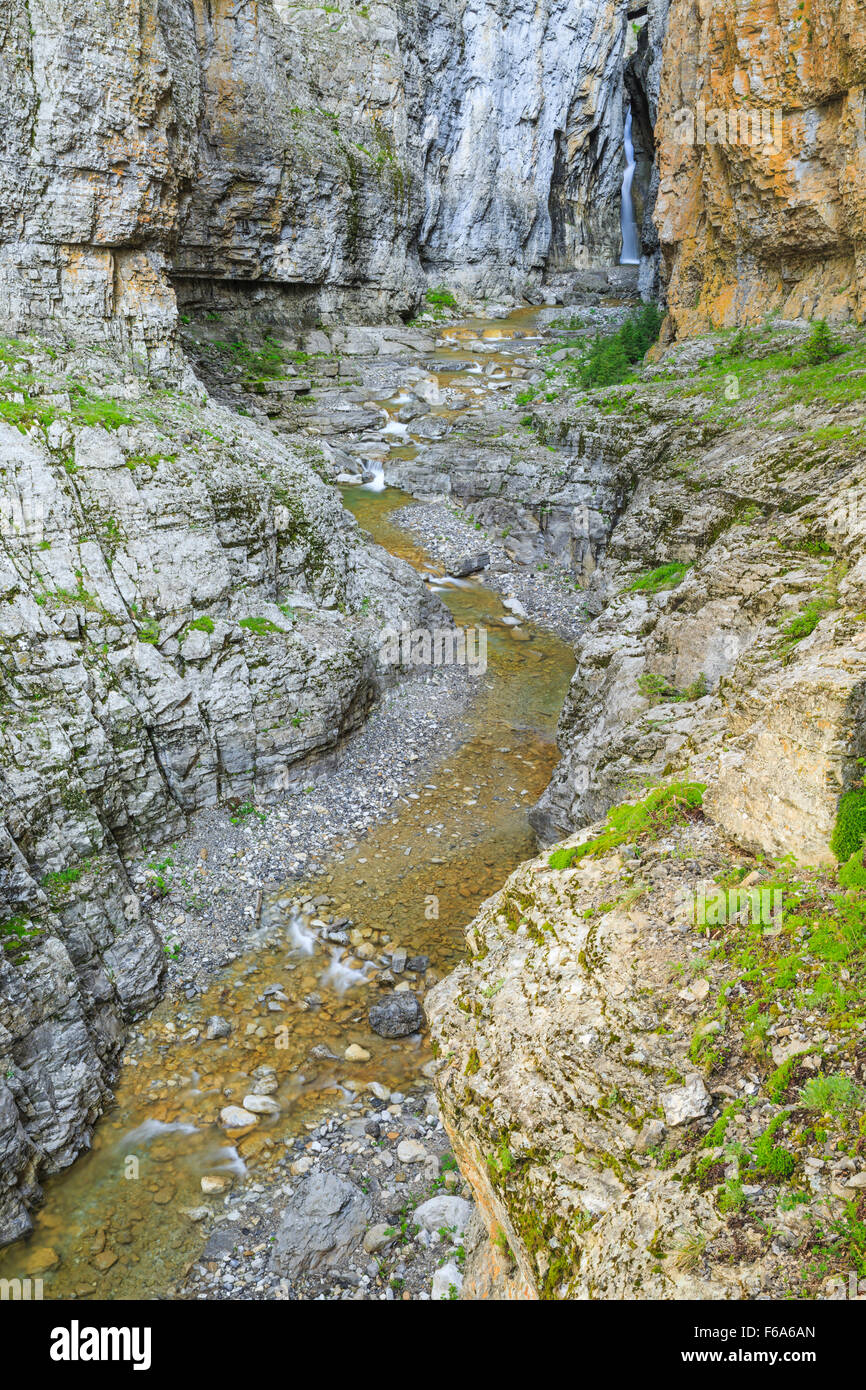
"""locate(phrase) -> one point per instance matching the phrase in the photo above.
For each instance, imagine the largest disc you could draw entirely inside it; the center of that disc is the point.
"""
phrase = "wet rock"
(397, 1015)
(236, 1117)
(217, 1027)
(261, 1105)
(471, 564)
(213, 1183)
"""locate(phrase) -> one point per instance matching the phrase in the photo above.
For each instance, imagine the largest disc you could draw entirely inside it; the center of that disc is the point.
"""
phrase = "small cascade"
(339, 976)
(377, 481)
(301, 937)
(628, 224)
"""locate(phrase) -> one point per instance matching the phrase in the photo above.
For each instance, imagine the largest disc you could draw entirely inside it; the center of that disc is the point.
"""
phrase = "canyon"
(253, 254)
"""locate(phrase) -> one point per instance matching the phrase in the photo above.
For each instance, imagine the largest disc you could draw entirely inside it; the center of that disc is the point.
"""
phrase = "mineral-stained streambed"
(117, 1224)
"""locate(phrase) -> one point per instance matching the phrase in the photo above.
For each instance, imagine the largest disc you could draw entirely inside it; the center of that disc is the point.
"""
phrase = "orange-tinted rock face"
(777, 223)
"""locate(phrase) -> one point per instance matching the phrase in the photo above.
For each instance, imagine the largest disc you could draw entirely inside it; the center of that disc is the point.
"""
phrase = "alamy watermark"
(736, 125)
(440, 646)
(717, 907)
(20, 1290)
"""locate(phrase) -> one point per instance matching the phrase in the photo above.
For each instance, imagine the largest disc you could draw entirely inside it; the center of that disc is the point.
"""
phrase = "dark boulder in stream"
(397, 1015)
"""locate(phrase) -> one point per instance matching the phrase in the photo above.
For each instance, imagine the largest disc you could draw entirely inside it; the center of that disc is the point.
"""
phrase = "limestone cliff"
(297, 163)
(188, 615)
(757, 219)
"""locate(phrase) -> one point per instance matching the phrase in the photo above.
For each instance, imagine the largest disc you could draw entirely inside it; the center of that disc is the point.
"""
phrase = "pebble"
(236, 1117)
(410, 1151)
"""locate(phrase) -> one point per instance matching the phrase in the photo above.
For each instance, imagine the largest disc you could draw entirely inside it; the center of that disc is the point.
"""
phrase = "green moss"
(658, 811)
(852, 874)
(850, 828)
(91, 410)
(654, 581)
(260, 626)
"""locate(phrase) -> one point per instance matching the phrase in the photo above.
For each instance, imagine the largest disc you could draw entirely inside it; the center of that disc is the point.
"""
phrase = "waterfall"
(627, 220)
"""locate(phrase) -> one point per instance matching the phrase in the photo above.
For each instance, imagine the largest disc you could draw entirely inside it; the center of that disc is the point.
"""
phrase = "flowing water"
(628, 224)
(120, 1222)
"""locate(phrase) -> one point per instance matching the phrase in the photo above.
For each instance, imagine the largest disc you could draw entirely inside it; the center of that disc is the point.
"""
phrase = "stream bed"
(123, 1221)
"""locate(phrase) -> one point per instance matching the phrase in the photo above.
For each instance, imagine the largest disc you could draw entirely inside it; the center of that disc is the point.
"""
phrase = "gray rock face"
(268, 159)
(186, 617)
(324, 1220)
(519, 137)
(398, 1015)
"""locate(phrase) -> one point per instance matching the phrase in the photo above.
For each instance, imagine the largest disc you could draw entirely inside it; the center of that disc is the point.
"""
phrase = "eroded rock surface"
(189, 616)
(756, 226)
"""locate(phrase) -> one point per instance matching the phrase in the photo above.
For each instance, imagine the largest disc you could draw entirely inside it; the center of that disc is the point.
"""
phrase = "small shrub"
(850, 828)
(441, 298)
(835, 1093)
(821, 345)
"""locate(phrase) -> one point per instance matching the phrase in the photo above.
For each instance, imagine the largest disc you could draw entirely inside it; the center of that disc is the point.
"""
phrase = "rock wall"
(519, 137)
(561, 1070)
(765, 533)
(294, 162)
(188, 616)
(748, 229)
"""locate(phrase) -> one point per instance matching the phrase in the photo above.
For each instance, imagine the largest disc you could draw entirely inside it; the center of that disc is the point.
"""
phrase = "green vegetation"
(260, 626)
(612, 357)
(813, 957)
(821, 346)
(833, 1094)
(662, 808)
(654, 581)
(160, 873)
(440, 298)
(849, 831)
(659, 689)
(88, 409)
(852, 873)
(244, 811)
(16, 930)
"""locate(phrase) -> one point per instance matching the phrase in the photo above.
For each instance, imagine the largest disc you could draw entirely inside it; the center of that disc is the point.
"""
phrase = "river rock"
(236, 1117)
(214, 1183)
(322, 1223)
(261, 1105)
(470, 564)
(450, 1212)
(398, 1015)
(217, 1027)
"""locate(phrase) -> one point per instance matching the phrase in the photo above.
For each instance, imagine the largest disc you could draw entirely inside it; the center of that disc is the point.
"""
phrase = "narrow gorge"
(433, 650)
